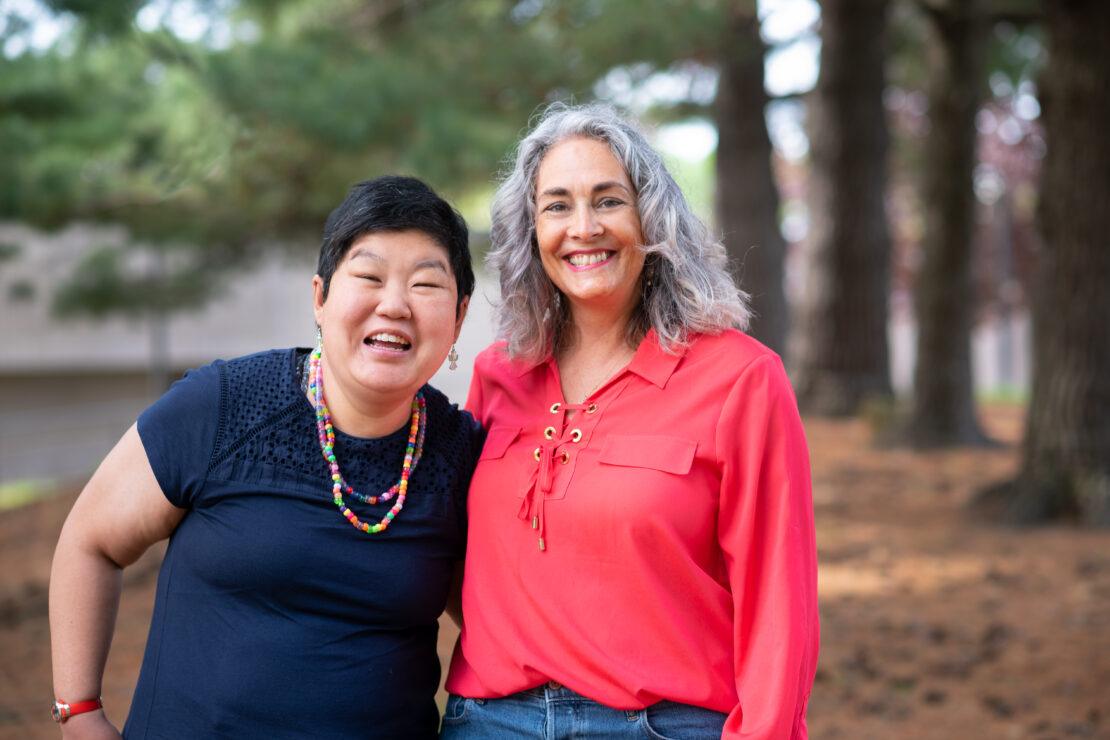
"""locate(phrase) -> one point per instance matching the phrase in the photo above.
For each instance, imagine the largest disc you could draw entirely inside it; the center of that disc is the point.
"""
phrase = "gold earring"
(453, 359)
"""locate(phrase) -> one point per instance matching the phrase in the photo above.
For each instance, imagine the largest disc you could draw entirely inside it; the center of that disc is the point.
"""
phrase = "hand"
(89, 726)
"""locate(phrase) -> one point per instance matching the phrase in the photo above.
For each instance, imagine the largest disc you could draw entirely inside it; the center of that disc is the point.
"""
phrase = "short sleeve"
(179, 431)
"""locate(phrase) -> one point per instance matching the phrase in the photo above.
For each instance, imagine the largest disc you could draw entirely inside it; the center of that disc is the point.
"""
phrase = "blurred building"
(69, 388)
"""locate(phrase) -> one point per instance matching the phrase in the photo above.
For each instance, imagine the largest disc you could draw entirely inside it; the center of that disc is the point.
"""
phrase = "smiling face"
(588, 227)
(390, 316)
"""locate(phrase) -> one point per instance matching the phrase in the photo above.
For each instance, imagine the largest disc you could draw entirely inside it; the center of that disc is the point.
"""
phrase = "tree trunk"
(1066, 452)
(747, 198)
(842, 357)
(943, 404)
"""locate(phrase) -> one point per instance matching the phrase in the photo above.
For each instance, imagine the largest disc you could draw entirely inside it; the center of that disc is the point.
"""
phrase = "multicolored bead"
(326, 433)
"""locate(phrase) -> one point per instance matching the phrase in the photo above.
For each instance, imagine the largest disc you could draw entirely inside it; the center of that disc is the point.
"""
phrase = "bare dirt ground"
(933, 626)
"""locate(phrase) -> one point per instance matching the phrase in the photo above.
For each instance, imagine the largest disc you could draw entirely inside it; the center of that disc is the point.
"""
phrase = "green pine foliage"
(213, 149)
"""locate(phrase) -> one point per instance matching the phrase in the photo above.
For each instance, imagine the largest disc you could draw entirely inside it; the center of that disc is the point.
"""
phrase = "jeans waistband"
(551, 690)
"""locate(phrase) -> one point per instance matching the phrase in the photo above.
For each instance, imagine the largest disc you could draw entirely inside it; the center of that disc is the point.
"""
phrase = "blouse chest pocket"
(672, 455)
(498, 440)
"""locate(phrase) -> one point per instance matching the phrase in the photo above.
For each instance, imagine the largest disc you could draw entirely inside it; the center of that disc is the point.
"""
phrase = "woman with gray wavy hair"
(640, 558)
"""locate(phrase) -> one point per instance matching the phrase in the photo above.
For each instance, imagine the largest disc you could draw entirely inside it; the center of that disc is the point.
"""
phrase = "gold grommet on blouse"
(536, 454)
(566, 458)
(549, 433)
(575, 435)
(591, 408)
(555, 407)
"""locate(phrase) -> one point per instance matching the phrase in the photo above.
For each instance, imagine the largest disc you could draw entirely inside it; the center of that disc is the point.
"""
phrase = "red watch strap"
(89, 705)
(64, 711)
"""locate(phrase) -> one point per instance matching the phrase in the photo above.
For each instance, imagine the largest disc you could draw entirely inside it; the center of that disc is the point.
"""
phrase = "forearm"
(120, 514)
(84, 598)
(454, 596)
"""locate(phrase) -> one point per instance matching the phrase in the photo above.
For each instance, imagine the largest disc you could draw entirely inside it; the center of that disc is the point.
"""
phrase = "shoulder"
(274, 363)
(261, 379)
(271, 362)
(255, 391)
(453, 432)
(452, 419)
(196, 392)
(495, 361)
(731, 352)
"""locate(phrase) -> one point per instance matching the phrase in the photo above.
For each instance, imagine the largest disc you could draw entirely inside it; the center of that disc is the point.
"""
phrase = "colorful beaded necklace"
(326, 431)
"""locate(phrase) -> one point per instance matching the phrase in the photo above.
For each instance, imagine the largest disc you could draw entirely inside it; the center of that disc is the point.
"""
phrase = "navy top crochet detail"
(274, 617)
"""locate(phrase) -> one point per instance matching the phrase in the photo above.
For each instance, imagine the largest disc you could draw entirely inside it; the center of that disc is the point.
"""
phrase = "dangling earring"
(649, 275)
(453, 358)
(306, 371)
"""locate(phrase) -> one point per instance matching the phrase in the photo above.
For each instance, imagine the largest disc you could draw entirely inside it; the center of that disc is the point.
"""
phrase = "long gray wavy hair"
(691, 289)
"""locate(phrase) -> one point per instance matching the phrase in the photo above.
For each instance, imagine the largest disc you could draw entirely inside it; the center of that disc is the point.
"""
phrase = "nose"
(585, 224)
(393, 301)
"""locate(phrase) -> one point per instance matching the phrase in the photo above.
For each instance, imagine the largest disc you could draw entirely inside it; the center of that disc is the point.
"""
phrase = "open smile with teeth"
(387, 340)
(588, 259)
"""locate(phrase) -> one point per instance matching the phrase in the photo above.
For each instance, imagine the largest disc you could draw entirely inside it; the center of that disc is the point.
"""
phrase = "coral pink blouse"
(655, 544)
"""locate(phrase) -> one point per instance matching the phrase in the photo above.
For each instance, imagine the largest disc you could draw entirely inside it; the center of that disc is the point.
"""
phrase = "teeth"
(584, 260)
(383, 336)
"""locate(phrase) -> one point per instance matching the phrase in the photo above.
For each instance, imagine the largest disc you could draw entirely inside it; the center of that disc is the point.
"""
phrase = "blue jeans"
(554, 712)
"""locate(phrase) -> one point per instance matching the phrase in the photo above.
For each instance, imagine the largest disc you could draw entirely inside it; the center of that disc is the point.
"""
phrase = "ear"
(461, 314)
(318, 298)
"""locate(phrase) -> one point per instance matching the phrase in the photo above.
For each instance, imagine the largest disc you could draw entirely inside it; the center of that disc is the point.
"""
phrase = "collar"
(651, 362)
(654, 364)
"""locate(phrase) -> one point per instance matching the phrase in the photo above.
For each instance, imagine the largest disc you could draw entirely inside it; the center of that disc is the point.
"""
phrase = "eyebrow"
(560, 192)
(434, 264)
(364, 252)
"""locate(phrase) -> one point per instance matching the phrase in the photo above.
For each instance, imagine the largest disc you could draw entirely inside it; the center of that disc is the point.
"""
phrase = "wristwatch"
(61, 711)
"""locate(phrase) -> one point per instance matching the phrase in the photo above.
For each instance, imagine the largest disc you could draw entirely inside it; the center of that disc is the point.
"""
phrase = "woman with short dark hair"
(641, 558)
(314, 503)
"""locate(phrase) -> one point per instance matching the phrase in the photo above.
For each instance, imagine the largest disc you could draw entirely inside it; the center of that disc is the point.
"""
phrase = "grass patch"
(1014, 395)
(22, 492)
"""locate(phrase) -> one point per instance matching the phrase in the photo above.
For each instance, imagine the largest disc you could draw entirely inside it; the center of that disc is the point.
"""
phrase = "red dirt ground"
(933, 626)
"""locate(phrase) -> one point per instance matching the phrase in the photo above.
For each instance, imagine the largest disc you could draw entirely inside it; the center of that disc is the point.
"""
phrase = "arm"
(766, 533)
(119, 514)
(474, 406)
(454, 596)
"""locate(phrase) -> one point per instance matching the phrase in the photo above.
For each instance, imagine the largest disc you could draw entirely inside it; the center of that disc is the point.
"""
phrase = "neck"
(361, 414)
(598, 331)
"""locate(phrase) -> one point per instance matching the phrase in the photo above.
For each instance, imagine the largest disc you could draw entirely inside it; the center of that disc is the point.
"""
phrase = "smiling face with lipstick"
(640, 520)
(588, 227)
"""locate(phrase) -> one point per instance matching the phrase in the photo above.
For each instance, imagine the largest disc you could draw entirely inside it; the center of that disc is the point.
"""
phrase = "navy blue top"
(274, 617)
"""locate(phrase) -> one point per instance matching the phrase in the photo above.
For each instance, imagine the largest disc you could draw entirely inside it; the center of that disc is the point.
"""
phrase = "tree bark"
(842, 358)
(1066, 451)
(747, 200)
(943, 411)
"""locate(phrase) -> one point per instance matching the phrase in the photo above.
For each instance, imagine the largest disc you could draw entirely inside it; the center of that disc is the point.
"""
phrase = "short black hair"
(396, 203)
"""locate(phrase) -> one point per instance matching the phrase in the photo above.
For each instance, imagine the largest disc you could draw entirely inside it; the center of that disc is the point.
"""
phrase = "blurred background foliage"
(214, 132)
(219, 129)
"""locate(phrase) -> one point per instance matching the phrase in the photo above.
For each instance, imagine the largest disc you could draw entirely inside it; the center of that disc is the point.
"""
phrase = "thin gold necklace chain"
(610, 370)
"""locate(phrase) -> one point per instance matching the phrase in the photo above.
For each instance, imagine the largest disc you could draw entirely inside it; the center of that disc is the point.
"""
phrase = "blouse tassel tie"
(538, 488)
